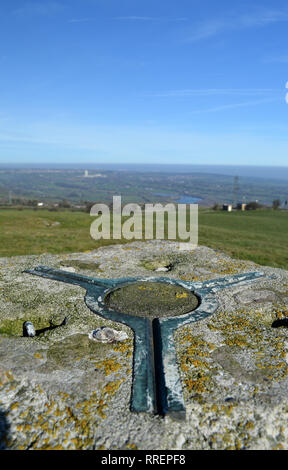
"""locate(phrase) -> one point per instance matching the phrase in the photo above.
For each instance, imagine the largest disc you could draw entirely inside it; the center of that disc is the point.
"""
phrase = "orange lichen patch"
(123, 347)
(81, 418)
(58, 412)
(112, 387)
(38, 356)
(219, 409)
(229, 266)
(183, 295)
(14, 406)
(239, 341)
(109, 366)
(131, 446)
(47, 429)
(197, 363)
(250, 425)
(195, 343)
(189, 277)
(27, 427)
(9, 375)
(194, 363)
(247, 329)
(197, 346)
(198, 385)
(280, 312)
(6, 377)
(100, 411)
(230, 323)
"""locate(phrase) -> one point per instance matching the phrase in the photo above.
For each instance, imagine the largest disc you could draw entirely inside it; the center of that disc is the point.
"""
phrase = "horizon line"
(86, 164)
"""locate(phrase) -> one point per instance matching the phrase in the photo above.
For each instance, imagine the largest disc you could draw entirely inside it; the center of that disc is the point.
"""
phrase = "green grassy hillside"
(260, 236)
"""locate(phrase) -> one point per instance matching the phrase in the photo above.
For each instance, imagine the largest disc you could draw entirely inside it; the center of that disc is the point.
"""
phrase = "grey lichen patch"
(257, 296)
(235, 347)
(76, 384)
(153, 264)
(249, 353)
(43, 309)
(263, 352)
(15, 327)
(152, 299)
(60, 423)
(81, 265)
(26, 298)
(170, 261)
(226, 266)
(68, 352)
(75, 348)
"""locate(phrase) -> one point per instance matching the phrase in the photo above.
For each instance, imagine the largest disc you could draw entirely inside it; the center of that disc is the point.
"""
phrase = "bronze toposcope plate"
(152, 300)
(154, 308)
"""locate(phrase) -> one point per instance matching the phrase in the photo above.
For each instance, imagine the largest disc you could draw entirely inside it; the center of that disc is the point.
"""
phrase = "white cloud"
(39, 9)
(185, 93)
(134, 18)
(236, 105)
(234, 22)
(80, 20)
(130, 18)
(147, 18)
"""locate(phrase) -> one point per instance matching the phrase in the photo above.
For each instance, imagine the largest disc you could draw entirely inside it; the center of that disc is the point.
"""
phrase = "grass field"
(260, 236)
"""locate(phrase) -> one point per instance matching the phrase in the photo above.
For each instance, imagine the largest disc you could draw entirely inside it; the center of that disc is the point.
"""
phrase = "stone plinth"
(60, 390)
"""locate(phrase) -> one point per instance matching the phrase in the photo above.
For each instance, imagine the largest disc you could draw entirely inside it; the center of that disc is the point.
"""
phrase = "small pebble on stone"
(107, 335)
(68, 269)
(28, 329)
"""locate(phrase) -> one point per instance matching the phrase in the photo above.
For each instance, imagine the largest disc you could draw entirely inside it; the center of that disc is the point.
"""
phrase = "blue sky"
(144, 81)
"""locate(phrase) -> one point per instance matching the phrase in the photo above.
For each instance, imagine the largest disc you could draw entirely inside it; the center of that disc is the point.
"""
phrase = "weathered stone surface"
(62, 390)
(256, 296)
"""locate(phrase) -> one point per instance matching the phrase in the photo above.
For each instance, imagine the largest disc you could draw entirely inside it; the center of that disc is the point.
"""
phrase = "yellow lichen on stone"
(122, 347)
(183, 295)
(194, 363)
(239, 341)
(132, 446)
(14, 406)
(198, 385)
(38, 356)
(112, 387)
(109, 366)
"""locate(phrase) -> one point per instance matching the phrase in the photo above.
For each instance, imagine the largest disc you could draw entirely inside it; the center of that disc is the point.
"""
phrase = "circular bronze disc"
(152, 299)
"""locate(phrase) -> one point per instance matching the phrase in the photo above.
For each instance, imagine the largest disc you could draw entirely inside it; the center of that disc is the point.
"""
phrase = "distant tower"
(236, 190)
(86, 174)
(10, 197)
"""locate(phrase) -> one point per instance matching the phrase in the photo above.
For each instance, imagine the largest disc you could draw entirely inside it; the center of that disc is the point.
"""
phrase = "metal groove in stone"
(156, 384)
